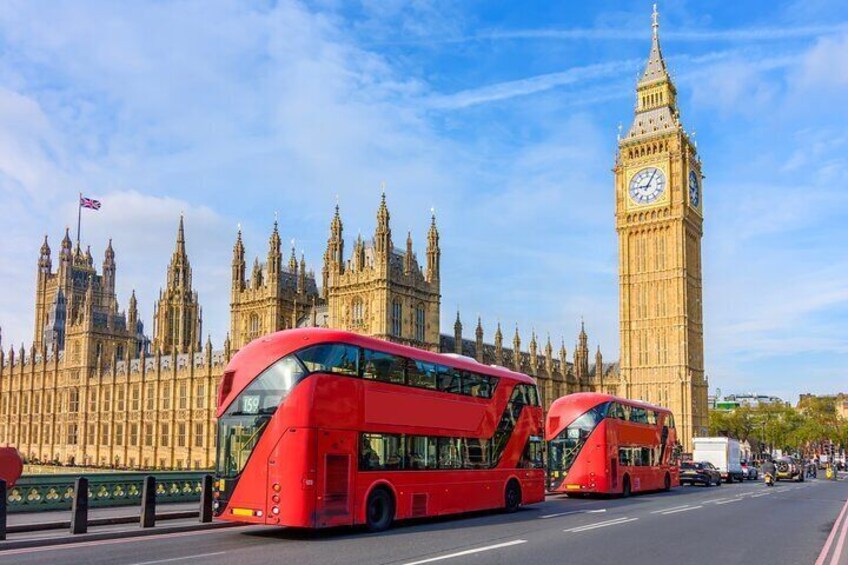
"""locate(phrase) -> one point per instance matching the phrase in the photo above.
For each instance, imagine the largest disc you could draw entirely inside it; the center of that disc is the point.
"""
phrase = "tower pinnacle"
(655, 19)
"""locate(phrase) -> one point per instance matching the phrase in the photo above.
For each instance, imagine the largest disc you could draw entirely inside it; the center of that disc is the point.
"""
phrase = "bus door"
(336, 467)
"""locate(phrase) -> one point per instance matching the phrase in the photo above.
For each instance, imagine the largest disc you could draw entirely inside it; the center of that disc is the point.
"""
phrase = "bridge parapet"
(56, 492)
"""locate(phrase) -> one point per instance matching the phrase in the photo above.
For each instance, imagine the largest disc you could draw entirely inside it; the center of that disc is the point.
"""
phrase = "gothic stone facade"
(90, 392)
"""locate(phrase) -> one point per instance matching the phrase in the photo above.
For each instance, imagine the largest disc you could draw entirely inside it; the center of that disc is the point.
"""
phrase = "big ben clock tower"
(659, 220)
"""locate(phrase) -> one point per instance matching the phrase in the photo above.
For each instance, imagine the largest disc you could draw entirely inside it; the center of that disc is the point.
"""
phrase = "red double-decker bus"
(320, 428)
(602, 444)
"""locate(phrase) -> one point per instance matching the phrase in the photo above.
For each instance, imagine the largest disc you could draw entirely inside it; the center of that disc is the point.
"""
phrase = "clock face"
(694, 189)
(647, 185)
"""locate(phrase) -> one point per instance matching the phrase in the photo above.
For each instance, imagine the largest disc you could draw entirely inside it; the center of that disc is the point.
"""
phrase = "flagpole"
(79, 217)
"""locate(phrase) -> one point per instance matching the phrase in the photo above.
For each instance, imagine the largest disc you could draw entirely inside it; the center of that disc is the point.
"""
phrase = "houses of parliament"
(94, 389)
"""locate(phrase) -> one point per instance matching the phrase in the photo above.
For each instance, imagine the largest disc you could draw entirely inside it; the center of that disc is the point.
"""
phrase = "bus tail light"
(276, 487)
(275, 510)
(275, 499)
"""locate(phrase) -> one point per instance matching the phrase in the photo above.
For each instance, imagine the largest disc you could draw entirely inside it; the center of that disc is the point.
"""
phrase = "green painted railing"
(55, 492)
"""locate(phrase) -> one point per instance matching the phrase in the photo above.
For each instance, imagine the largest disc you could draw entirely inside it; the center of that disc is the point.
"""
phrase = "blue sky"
(501, 115)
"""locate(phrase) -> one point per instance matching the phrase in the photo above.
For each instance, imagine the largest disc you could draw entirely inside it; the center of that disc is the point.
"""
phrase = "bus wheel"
(625, 488)
(512, 496)
(379, 510)
(667, 482)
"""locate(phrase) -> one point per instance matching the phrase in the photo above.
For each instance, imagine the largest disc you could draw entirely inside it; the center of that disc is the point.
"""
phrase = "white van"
(724, 453)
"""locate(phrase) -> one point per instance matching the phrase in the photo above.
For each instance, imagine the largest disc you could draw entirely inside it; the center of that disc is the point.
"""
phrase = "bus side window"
(421, 451)
(450, 454)
(383, 367)
(421, 374)
(450, 380)
(638, 415)
(370, 458)
(472, 384)
(489, 386)
(476, 453)
(533, 395)
(331, 358)
(624, 456)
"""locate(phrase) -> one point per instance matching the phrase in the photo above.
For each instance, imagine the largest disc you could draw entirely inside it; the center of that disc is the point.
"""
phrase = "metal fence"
(56, 492)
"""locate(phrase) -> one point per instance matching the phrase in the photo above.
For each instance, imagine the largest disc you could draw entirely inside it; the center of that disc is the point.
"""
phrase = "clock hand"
(652, 176)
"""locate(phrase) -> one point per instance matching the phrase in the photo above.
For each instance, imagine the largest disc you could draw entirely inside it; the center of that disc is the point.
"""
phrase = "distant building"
(734, 401)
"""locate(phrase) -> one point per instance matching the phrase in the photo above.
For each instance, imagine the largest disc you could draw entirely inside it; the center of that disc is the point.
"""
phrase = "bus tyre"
(667, 482)
(625, 487)
(512, 496)
(379, 510)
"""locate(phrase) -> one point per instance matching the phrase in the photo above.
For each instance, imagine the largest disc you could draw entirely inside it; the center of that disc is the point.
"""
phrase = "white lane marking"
(716, 500)
(661, 510)
(682, 510)
(557, 515)
(597, 525)
(172, 559)
(469, 552)
(729, 501)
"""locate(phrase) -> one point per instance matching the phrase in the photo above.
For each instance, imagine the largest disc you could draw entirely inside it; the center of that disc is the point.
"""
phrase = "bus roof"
(260, 353)
(579, 402)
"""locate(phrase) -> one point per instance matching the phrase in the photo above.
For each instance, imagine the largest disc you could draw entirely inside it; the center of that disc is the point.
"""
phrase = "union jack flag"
(89, 203)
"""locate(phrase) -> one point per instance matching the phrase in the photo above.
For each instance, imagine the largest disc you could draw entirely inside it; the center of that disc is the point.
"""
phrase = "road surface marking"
(681, 510)
(469, 552)
(557, 515)
(604, 524)
(661, 510)
(716, 500)
(172, 559)
(829, 542)
(729, 501)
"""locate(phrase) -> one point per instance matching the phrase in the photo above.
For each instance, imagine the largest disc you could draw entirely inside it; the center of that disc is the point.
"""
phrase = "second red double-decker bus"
(602, 444)
(320, 428)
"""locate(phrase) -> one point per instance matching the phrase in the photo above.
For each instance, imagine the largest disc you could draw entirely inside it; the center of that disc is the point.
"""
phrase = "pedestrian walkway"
(37, 529)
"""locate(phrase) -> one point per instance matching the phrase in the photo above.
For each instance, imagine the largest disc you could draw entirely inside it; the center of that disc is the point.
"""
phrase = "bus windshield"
(566, 446)
(241, 426)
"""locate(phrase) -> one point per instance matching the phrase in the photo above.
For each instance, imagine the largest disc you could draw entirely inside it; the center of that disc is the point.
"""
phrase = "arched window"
(419, 322)
(358, 312)
(253, 327)
(397, 318)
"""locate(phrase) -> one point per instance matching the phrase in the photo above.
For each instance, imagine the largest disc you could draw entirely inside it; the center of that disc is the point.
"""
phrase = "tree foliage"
(807, 429)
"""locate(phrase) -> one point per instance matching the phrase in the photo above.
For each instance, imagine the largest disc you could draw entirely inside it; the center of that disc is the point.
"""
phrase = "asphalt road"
(740, 523)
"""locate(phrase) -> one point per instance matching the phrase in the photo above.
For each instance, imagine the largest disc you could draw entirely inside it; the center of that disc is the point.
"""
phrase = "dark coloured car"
(789, 468)
(749, 470)
(699, 472)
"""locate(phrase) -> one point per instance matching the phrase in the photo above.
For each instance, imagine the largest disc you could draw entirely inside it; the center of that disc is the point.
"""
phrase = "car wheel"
(512, 496)
(379, 510)
(667, 482)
